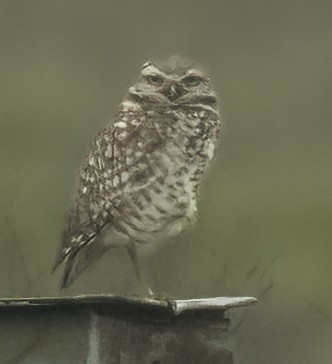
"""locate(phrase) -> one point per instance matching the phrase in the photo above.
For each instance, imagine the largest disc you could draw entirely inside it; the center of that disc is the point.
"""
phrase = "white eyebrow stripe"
(152, 69)
(193, 72)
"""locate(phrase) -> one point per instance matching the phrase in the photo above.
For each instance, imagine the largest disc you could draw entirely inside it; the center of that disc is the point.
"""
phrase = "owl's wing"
(93, 198)
(113, 162)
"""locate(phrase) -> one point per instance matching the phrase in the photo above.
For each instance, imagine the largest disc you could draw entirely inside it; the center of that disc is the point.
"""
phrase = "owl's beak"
(172, 91)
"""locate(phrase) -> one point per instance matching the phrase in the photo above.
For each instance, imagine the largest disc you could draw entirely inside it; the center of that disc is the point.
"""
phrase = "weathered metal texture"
(115, 330)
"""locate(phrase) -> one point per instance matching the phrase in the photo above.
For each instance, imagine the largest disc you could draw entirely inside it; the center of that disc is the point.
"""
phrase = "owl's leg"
(132, 252)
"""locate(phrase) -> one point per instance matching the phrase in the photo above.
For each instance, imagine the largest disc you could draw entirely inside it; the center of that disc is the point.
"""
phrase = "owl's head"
(177, 82)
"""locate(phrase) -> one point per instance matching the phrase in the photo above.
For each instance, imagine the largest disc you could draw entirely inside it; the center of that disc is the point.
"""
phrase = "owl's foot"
(159, 296)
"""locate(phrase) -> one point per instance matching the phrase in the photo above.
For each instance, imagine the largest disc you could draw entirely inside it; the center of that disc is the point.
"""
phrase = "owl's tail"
(76, 264)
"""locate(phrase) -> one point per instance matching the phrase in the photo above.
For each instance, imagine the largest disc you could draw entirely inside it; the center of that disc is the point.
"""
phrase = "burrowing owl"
(138, 182)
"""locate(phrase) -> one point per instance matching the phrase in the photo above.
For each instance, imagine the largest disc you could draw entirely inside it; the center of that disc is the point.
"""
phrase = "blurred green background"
(265, 224)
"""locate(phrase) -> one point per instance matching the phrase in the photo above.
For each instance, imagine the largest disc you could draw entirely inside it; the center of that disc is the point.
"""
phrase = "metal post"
(102, 329)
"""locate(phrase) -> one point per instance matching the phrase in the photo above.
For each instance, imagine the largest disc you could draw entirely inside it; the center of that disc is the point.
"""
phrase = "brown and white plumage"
(138, 181)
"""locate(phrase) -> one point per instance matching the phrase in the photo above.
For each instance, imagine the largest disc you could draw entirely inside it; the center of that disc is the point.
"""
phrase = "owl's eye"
(192, 80)
(154, 79)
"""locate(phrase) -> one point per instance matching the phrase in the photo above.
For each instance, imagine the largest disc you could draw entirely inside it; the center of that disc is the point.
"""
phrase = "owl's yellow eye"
(192, 80)
(154, 79)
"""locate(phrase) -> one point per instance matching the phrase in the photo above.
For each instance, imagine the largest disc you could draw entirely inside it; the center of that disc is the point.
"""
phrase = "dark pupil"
(192, 80)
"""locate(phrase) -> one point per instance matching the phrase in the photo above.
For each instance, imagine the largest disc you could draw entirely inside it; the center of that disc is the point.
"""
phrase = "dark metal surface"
(109, 329)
